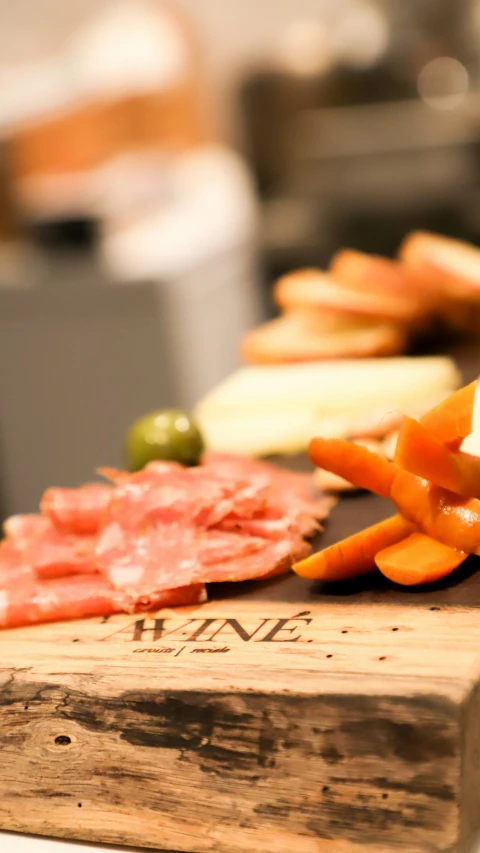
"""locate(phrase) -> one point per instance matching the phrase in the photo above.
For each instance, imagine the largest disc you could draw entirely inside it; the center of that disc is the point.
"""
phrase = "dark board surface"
(353, 513)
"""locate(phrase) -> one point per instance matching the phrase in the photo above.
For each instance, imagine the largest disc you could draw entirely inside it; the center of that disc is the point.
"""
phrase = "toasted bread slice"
(450, 267)
(373, 273)
(314, 289)
(298, 336)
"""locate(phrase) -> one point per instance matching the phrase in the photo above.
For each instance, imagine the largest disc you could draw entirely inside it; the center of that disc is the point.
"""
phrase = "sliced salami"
(53, 554)
(77, 510)
(13, 568)
(188, 497)
(154, 538)
(46, 550)
(21, 528)
(293, 493)
(79, 597)
(275, 557)
(165, 556)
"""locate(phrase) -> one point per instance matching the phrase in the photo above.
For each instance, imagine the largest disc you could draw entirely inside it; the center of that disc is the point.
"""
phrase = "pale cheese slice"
(267, 410)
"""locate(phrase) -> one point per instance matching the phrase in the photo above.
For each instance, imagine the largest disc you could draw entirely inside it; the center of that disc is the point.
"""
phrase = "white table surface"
(11, 842)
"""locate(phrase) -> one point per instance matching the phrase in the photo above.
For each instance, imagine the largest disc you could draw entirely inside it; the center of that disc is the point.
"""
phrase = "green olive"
(169, 435)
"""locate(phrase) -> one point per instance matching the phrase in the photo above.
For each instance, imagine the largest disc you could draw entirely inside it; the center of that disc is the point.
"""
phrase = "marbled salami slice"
(292, 493)
(13, 568)
(77, 510)
(47, 551)
(166, 556)
(154, 538)
(188, 496)
(274, 558)
(21, 528)
(79, 597)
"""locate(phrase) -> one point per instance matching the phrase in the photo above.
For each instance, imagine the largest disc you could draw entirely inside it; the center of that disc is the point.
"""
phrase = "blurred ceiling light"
(361, 37)
(304, 48)
(443, 83)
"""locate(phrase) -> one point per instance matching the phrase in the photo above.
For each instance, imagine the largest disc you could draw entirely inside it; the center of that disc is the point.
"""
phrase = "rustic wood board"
(280, 716)
(246, 725)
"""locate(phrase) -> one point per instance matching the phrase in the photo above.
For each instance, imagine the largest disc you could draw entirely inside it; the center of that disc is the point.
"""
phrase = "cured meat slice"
(298, 482)
(274, 558)
(143, 563)
(166, 556)
(292, 493)
(13, 568)
(154, 538)
(45, 550)
(54, 554)
(21, 528)
(190, 496)
(79, 597)
(215, 546)
(55, 600)
(269, 525)
(223, 486)
(77, 510)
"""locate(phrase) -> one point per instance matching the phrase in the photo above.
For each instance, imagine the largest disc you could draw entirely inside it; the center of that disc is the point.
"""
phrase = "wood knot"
(63, 740)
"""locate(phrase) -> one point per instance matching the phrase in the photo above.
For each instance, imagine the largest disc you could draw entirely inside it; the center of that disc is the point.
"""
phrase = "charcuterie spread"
(154, 538)
(200, 505)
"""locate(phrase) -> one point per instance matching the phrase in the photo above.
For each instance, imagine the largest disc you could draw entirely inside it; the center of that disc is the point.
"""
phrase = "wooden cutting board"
(284, 717)
(279, 717)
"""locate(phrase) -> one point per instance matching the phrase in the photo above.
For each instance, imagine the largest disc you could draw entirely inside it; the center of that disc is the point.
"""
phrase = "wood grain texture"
(246, 726)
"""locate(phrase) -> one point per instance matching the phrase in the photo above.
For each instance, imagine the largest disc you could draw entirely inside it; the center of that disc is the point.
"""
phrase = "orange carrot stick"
(355, 555)
(451, 420)
(354, 463)
(449, 518)
(419, 452)
(418, 560)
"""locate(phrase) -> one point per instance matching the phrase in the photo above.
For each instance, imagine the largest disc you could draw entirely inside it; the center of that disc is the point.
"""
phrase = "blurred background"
(162, 163)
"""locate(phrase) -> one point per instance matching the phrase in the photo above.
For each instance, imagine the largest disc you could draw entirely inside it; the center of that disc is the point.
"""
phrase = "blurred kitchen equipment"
(376, 134)
(379, 170)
